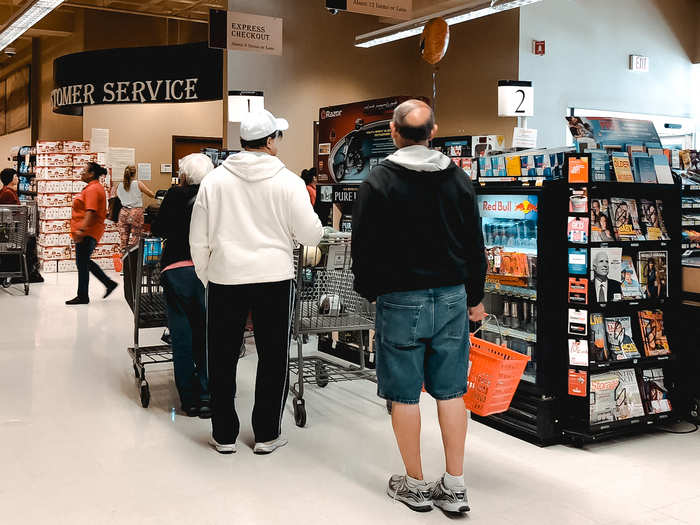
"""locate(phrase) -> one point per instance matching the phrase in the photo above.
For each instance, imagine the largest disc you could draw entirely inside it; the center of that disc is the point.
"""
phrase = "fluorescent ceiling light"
(452, 17)
(25, 19)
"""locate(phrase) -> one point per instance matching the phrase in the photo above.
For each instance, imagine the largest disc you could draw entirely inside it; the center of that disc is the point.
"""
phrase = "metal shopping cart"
(326, 303)
(13, 245)
(144, 293)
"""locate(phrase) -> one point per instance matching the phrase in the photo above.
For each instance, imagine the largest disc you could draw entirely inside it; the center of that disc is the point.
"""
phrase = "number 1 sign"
(516, 98)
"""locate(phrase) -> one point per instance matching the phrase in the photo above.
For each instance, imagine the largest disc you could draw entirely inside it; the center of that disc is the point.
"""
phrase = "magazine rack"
(578, 425)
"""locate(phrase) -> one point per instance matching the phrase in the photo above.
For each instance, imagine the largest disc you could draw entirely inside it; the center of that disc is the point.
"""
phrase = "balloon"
(435, 40)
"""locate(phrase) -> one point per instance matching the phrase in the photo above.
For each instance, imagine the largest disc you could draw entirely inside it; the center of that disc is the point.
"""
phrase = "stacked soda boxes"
(59, 166)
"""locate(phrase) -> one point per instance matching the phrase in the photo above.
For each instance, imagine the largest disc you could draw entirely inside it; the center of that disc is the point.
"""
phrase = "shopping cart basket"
(326, 303)
(494, 374)
(144, 293)
(14, 224)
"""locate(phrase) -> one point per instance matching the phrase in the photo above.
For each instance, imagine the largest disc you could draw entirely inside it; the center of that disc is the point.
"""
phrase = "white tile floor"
(77, 448)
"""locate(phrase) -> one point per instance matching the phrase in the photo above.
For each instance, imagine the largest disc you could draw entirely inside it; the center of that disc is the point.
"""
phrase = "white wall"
(7, 142)
(588, 48)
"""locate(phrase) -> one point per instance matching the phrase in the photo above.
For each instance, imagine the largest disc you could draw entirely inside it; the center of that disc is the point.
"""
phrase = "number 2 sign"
(516, 99)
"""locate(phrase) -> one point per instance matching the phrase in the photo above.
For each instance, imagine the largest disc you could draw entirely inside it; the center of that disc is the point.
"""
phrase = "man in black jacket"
(184, 292)
(418, 250)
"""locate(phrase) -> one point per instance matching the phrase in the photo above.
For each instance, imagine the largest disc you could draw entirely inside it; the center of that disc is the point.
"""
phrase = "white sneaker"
(270, 446)
(452, 501)
(221, 448)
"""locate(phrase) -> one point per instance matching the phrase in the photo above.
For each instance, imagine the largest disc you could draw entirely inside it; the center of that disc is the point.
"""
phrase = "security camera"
(333, 11)
(10, 51)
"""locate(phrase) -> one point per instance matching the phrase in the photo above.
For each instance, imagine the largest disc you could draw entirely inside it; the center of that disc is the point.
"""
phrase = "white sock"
(453, 482)
(414, 482)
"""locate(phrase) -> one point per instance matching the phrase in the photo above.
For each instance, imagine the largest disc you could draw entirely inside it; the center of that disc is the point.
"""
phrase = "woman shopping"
(131, 215)
(87, 226)
(184, 292)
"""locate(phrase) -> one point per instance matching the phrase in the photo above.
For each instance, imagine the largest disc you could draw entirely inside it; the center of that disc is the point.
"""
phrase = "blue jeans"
(422, 340)
(184, 294)
(83, 251)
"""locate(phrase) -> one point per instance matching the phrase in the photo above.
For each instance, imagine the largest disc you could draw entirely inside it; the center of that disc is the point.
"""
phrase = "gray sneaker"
(415, 498)
(450, 501)
(269, 447)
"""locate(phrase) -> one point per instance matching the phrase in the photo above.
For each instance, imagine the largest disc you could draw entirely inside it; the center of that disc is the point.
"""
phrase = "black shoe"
(204, 411)
(191, 410)
(77, 300)
(110, 289)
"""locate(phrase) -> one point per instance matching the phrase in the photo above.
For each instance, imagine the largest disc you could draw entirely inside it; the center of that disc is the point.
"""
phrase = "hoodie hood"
(420, 158)
(253, 166)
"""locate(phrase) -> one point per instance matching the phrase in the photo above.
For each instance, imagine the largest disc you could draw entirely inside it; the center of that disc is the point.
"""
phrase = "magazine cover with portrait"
(654, 392)
(653, 274)
(601, 224)
(615, 396)
(606, 275)
(652, 219)
(625, 219)
(620, 339)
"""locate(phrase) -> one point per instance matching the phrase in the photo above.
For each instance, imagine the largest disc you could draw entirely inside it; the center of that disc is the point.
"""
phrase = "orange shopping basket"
(494, 375)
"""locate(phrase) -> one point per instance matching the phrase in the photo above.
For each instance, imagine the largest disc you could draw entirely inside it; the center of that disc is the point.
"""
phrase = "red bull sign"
(508, 206)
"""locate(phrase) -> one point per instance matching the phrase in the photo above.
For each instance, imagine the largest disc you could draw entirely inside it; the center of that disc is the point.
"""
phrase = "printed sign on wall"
(254, 33)
(401, 9)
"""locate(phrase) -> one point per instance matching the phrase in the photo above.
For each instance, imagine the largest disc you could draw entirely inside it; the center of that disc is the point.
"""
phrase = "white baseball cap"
(260, 124)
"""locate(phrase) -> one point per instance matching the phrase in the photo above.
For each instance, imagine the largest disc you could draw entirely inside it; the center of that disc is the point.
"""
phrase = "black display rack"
(577, 427)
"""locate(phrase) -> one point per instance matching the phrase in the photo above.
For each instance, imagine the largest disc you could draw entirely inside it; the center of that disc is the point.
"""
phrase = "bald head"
(413, 123)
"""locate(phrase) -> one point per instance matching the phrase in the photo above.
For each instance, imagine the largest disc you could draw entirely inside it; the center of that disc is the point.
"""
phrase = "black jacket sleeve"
(164, 221)
(364, 241)
(476, 255)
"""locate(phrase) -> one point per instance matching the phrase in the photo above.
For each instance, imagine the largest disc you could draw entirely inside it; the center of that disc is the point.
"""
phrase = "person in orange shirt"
(310, 180)
(87, 226)
(10, 182)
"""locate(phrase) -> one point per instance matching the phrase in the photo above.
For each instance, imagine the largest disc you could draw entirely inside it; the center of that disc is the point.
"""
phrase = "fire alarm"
(538, 47)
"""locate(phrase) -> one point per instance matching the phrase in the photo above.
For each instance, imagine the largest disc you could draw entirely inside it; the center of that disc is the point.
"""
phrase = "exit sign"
(639, 63)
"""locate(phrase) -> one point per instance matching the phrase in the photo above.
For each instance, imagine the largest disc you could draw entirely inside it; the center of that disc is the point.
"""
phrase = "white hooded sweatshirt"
(247, 215)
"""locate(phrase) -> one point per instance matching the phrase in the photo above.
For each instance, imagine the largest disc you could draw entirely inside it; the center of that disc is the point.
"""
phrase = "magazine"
(653, 274)
(618, 331)
(654, 392)
(599, 344)
(615, 396)
(577, 231)
(600, 165)
(653, 221)
(601, 225)
(631, 289)
(654, 337)
(606, 274)
(622, 167)
(626, 219)
(578, 352)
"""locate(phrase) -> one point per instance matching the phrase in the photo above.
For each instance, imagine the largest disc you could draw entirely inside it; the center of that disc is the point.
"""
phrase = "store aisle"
(77, 448)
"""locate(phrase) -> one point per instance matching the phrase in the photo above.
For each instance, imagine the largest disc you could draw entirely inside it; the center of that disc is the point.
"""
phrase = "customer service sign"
(254, 33)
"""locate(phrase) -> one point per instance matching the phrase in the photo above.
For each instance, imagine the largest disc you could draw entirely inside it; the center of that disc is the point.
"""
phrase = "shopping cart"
(14, 224)
(144, 293)
(326, 303)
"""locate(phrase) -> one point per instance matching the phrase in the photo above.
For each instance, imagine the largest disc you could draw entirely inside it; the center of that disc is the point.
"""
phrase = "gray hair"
(195, 167)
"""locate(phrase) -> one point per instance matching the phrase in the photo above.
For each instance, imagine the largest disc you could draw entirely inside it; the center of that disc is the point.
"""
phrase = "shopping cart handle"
(490, 317)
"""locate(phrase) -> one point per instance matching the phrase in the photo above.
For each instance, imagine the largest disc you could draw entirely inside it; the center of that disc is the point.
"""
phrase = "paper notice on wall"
(524, 138)
(99, 140)
(119, 159)
(144, 171)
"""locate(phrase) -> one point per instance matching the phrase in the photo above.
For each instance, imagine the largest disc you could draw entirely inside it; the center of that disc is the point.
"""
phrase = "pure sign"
(516, 99)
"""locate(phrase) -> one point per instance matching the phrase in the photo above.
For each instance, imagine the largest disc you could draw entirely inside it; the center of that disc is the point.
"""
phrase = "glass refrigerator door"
(509, 225)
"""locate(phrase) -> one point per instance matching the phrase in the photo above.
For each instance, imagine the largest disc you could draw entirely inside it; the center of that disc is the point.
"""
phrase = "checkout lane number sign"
(516, 98)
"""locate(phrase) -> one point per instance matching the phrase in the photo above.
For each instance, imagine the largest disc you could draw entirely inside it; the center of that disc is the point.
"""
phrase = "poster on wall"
(354, 138)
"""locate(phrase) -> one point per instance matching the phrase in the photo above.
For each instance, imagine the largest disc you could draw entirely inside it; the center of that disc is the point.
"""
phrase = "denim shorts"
(422, 340)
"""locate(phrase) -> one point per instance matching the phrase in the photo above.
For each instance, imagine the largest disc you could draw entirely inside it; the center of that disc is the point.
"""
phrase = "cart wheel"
(321, 375)
(300, 413)
(243, 351)
(6, 282)
(145, 395)
(388, 406)
(26, 289)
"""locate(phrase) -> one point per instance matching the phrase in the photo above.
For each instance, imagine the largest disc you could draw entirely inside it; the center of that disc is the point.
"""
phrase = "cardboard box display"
(54, 226)
(48, 267)
(54, 173)
(110, 237)
(78, 186)
(55, 253)
(54, 239)
(105, 250)
(74, 146)
(67, 266)
(107, 264)
(54, 159)
(81, 159)
(54, 214)
(55, 200)
(46, 146)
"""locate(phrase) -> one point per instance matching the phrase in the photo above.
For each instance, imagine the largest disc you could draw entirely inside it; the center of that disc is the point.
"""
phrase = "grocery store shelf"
(511, 332)
(511, 291)
(645, 362)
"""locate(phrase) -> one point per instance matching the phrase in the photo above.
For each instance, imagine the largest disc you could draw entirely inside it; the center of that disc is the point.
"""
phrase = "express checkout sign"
(143, 75)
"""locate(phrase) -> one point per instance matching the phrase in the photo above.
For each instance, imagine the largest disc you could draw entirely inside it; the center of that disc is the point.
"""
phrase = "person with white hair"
(184, 292)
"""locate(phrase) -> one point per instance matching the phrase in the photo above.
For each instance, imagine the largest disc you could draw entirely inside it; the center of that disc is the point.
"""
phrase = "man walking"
(418, 250)
(247, 215)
